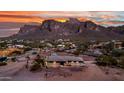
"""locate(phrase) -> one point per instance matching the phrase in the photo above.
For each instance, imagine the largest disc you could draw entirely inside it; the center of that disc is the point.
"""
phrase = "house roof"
(63, 58)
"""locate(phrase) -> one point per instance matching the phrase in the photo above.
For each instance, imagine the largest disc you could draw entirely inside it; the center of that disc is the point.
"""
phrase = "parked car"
(34, 53)
(3, 59)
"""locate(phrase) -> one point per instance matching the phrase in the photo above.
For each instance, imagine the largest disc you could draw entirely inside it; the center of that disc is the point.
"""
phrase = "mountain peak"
(72, 28)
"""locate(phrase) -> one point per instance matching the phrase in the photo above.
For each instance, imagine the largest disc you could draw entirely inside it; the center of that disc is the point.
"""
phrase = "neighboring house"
(15, 46)
(93, 52)
(118, 44)
(99, 45)
(70, 50)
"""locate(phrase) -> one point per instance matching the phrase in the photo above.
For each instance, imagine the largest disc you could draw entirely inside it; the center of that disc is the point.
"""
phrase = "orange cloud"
(61, 16)
(19, 12)
(19, 16)
(12, 19)
(25, 16)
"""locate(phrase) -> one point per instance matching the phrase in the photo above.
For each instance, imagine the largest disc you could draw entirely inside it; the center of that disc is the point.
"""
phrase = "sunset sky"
(8, 19)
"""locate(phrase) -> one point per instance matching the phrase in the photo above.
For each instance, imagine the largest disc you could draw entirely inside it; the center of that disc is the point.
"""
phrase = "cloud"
(20, 12)
(54, 14)
(100, 17)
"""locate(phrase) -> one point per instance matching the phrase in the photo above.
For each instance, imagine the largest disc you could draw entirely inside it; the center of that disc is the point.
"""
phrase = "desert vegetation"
(37, 64)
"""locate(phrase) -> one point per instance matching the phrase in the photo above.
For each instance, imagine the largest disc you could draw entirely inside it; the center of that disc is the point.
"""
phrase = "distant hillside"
(73, 29)
(7, 25)
(9, 28)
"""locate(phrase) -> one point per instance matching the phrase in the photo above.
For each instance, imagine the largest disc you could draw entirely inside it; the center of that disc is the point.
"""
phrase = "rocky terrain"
(72, 28)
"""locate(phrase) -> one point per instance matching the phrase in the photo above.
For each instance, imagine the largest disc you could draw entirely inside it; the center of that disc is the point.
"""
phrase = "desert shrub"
(13, 59)
(36, 66)
(121, 62)
(3, 63)
(40, 60)
(117, 52)
(101, 61)
(27, 49)
(76, 52)
(82, 47)
(109, 47)
(113, 61)
(105, 60)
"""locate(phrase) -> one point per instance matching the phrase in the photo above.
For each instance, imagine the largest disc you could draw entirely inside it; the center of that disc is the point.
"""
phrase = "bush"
(27, 49)
(34, 53)
(121, 62)
(117, 52)
(3, 63)
(76, 52)
(13, 59)
(36, 66)
(105, 60)
(40, 60)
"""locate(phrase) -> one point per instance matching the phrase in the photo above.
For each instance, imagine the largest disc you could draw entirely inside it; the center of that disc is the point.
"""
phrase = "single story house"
(65, 60)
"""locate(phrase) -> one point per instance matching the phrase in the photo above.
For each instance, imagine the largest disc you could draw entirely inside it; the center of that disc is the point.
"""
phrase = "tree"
(109, 47)
(123, 44)
(13, 59)
(117, 52)
(3, 45)
(121, 62)
(77, 52)
(38, 63)
(82, 47)
(106, 60)
(27, 49)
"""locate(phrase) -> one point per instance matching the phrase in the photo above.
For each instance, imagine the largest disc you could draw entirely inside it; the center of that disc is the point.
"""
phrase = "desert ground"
(90, 72)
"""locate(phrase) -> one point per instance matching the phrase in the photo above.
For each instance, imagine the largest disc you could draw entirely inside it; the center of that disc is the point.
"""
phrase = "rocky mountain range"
(72, 28)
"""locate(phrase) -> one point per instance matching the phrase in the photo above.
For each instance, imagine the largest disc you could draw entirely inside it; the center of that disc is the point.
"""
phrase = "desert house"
(58, 60)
